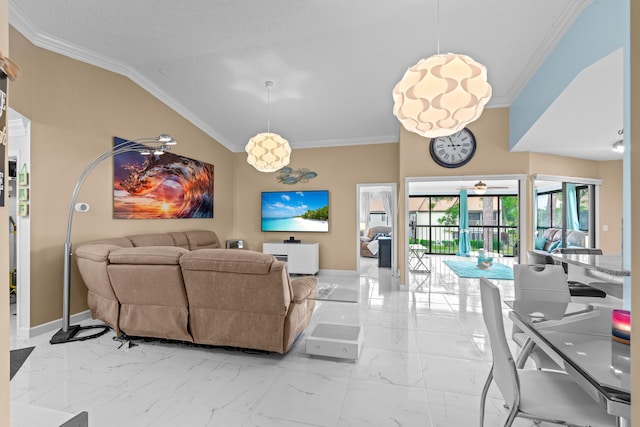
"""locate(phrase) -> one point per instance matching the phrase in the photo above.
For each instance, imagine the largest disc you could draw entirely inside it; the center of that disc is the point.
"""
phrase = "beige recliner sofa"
(183, 286)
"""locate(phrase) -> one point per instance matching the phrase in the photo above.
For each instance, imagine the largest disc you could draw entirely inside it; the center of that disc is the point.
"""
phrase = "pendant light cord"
(438, 25)
(269, 84)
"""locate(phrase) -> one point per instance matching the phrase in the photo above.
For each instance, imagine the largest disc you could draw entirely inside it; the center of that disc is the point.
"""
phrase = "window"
(475, 218)
(377, 218)
(583, 207)
(434, 223)
(549, 209)
(544, 211)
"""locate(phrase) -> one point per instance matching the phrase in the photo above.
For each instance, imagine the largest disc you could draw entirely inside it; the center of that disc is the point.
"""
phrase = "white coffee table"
(338, 332)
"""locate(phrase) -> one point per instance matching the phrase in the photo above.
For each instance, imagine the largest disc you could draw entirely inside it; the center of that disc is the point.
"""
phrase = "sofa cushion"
(378, 229)
(96, 252)
(179, 239)
(150, 255)
(202, 239)
(121, 242)
(549, 245)
(228, 260)
(554, 245)
(575, 238)
(540, 242)
(155, 239)
(550, 233)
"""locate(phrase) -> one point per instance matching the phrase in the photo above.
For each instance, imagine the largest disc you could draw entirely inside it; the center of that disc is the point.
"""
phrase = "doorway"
(376, 225)
(495, 218)
(20, 228)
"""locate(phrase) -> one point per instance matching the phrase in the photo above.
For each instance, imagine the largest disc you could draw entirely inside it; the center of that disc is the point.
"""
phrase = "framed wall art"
(161, 186)
(23, 176)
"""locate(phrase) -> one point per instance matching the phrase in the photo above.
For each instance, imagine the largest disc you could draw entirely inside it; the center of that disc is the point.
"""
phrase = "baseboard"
(55, 325)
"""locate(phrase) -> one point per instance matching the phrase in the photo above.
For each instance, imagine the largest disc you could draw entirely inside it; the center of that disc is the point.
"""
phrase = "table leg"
(524, 353)
(622, 422)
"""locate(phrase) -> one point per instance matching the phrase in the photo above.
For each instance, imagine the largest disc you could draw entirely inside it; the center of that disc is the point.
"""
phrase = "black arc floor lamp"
(146, 147)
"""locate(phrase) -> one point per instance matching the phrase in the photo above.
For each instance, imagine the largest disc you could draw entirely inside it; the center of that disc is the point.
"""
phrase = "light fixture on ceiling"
(618, 146)
(442, 94)
(480, 188)
(268, 152)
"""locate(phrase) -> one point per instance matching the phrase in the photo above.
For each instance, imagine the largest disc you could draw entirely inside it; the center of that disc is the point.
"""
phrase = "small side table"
(384, 253)
(418, 254)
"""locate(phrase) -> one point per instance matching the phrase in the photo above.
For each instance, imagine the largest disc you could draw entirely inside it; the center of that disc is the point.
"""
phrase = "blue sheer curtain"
(464, 247)
(572, 208)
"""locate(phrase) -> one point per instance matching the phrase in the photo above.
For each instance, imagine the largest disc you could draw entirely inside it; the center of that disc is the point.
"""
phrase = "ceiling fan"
(481, 188)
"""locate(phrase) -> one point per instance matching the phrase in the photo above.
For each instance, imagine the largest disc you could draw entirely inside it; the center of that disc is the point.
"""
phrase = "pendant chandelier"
(268, 152)
(442, 94)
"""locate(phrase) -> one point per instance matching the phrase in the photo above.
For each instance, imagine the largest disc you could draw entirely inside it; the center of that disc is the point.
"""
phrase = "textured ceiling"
(334, 62)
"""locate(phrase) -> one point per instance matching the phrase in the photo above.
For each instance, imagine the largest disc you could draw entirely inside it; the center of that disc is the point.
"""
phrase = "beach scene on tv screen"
(295, 211)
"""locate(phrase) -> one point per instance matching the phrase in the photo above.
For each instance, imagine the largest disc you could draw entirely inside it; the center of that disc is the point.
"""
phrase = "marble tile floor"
(423, 362)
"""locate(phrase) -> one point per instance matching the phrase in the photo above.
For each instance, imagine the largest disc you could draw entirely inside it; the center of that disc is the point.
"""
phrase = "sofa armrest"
(96, 252)
(148, 255)
(303, 288)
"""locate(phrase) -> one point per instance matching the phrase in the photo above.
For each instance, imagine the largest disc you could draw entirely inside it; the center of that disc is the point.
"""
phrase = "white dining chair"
(538, 282)
(548, 396)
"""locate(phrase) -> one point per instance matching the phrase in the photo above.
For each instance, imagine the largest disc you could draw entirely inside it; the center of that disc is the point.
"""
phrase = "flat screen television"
(295, 211)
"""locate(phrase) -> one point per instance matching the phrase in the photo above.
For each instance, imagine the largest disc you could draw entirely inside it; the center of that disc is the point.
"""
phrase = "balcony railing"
(443, 239)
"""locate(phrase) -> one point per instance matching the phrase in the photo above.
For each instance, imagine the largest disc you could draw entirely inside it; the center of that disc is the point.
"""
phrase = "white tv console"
(302, 258)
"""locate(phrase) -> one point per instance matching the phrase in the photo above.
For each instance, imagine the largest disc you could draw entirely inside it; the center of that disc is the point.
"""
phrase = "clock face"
(454, 150)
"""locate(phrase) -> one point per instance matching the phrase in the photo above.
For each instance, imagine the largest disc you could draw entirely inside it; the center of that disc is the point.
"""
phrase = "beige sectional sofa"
(184, 286)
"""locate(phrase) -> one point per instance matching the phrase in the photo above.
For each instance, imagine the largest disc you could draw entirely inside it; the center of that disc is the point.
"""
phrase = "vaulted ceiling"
(334, 62)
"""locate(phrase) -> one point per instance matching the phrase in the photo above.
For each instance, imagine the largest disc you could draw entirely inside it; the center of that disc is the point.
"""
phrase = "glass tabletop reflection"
(581, 335)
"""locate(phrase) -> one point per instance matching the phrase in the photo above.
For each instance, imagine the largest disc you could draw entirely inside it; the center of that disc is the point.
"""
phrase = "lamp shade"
(268, 152)
(440, 95)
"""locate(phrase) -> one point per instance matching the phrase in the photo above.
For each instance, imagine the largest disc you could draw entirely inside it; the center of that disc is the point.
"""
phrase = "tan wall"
(339, 170)
(492, 154)
(75, 111)
(4, 251)
(610, 207)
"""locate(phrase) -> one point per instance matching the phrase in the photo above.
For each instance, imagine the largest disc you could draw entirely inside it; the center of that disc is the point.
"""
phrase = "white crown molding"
(367, 140)
(554, 36)
(24, 25)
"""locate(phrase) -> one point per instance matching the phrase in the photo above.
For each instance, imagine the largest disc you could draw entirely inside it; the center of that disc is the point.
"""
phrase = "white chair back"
(540, 282)
(504, 367)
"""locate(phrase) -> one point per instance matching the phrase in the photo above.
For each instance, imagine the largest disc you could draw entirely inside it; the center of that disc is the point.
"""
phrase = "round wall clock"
(454, 150)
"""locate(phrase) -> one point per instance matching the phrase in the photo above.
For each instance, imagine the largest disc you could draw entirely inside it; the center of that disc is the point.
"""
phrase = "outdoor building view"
(493, 223)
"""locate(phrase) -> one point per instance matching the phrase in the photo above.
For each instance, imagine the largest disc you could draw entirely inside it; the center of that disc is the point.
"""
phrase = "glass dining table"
(578, 338)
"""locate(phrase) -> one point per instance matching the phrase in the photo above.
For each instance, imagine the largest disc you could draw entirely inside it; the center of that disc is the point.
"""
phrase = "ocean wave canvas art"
(161, 186)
